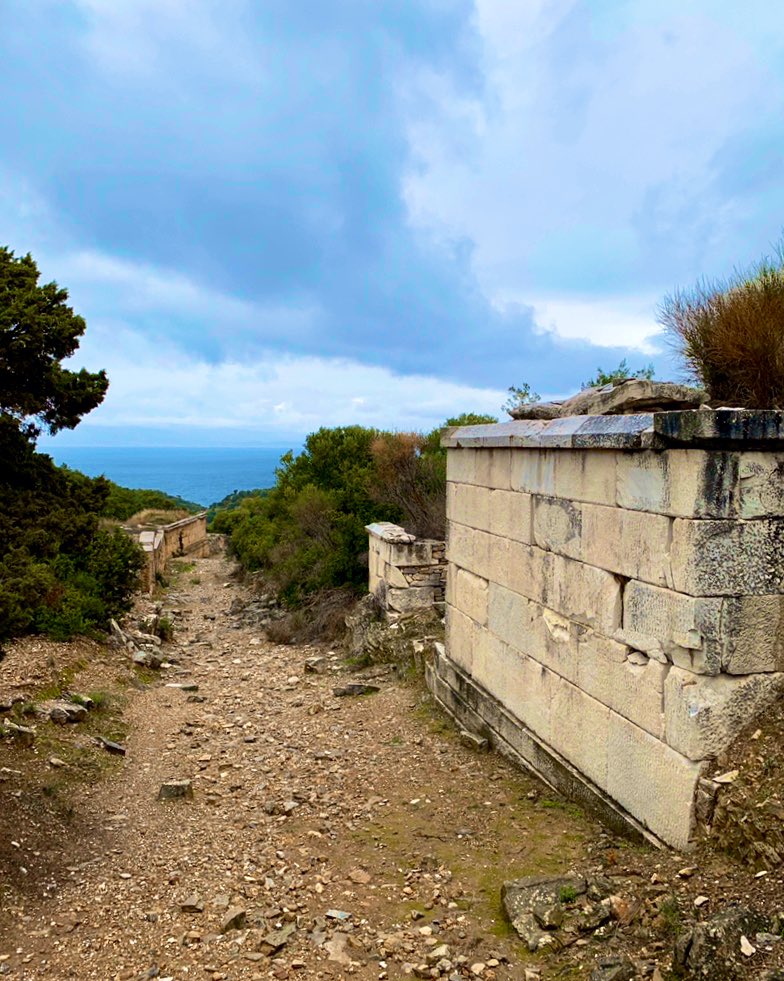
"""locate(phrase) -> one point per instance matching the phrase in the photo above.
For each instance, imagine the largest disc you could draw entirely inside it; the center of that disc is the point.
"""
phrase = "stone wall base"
(479, 712)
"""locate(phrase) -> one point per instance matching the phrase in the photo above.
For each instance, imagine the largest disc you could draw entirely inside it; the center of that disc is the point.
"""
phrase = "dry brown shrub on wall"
(731, 335)
(411, 475)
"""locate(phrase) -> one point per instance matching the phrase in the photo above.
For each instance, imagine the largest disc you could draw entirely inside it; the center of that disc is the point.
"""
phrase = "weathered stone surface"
(471, 595)
(234, 919)
(523, 898)
(511, 515)
(412, 598)
(634, 395)
(681, 483)
(580, 729)
(712, 949)
(703, 715)
(752, 629)
(574, 475)
(558, 526)
(468, 504)
(64, 712)
(629, 543)
(651, 781)
(728, 558)
(722, 427)
(176, 790)
(688, 630)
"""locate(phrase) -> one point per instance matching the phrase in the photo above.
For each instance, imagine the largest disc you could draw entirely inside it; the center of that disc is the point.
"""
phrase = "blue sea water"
(201, 474)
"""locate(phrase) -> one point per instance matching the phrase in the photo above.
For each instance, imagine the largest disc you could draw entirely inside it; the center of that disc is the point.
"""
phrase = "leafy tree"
(60, 572)
(622, 373)
(519, 395)
(38, 330)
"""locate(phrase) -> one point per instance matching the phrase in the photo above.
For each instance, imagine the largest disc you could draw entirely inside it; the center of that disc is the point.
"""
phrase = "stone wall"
(405, 573)
(185, 537)
(614, 600)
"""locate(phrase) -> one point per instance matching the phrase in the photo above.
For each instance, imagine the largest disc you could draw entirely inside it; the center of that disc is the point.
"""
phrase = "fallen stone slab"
(631, 396)
(116, 749)
(63, 713)
(355, 688)
(176, 790)
(532, 905)
(713, 949)
(23, 735)
(235, 919)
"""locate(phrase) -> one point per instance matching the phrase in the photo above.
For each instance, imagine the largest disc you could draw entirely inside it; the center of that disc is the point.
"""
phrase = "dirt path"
(304, 803)
(327, 836)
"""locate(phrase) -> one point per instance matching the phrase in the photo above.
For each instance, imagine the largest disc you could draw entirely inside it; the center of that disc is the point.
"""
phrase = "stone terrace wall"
(185, 537)
(614, 600)
(405, 573)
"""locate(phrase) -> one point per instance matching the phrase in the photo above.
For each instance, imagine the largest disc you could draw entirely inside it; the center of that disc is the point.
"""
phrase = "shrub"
(59, 573)
(731, 335)
(620, 374)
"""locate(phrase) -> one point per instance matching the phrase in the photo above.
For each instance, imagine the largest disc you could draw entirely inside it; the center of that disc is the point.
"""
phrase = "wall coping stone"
(389, 532)
(710, 428)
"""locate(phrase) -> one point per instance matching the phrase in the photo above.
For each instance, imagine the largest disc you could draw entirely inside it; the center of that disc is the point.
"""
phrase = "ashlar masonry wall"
(405, 572)
(188, 536)
(614, 600)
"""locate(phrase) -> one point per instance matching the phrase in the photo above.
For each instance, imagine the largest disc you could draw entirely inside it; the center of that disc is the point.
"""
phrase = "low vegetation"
(123, 503)
(730, 333)
(307, 533)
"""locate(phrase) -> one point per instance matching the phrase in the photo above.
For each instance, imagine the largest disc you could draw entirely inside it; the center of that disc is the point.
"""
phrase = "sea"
(203, 475)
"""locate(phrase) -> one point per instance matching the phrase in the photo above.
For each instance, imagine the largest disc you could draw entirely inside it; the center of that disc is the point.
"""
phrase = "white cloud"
(158, 384)
(608, 322)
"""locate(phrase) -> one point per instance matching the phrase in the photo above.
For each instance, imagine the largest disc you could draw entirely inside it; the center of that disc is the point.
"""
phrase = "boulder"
(633, 395)
(714, 949)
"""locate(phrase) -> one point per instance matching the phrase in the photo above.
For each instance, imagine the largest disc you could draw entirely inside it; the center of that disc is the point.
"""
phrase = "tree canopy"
(38, 330)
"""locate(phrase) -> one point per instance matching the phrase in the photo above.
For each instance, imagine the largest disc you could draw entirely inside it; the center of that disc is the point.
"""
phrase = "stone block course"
(617, 587)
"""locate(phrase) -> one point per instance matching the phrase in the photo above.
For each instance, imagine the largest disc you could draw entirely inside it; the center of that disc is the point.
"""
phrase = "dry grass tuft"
(322, 618)
(731, 335)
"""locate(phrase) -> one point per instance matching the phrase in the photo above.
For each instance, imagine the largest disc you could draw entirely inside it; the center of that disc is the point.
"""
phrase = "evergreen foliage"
(60, 572)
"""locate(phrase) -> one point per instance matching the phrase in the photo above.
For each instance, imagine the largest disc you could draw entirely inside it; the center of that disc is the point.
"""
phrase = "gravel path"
(326, 837)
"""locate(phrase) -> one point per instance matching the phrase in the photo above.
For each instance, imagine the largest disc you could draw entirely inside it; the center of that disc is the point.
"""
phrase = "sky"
(281, 215)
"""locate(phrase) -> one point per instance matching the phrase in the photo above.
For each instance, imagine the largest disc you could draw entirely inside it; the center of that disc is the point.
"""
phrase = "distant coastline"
(201, 474)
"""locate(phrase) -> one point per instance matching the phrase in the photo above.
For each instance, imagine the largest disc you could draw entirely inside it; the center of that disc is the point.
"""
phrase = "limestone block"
(753, 632)
(630, 543)
(522, 568)
(761, 484)
(579, 730)
(539, 633)
(460, 638)
(687, 629)
(575, 475)
(471, 595)
(521, 684)
(728, 558)
(469, 505)
(558, 526)
(410, 553)
(682, 483)
(533, 471)
(412, 598)
(394, 577)
(511, 515)
(628, 682)
(468, 548)
(584, 593)
(492, 468)
(703, 715)
(461, 466)
(451, 579)
(651, 781)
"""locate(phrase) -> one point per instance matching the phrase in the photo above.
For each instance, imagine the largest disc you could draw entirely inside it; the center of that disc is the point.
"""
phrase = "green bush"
(307, 533)
(60, 573)
(123, 502)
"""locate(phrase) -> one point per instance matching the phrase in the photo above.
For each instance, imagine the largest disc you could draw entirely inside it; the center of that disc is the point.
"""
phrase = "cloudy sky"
(281, 214)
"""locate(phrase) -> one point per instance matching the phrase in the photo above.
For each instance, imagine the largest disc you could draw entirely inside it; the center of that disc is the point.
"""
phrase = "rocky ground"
(311, 834)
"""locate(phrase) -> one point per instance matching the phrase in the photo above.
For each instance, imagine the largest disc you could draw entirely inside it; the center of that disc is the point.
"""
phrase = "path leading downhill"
(327, 836)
